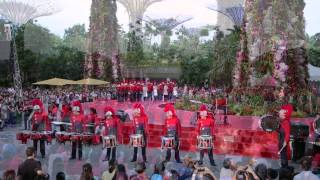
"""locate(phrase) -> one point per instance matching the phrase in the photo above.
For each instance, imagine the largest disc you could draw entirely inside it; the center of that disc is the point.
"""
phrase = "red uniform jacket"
(112, 124)
(205, 123)
(172, 123)
(78, 123)
(92, 118)
(141, 120)
(285, 125)
(41, 118)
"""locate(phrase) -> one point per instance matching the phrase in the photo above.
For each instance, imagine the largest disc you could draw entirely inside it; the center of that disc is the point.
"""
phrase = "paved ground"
(57, 159)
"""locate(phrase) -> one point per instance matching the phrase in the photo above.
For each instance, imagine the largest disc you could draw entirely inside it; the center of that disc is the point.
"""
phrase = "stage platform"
(242, 136)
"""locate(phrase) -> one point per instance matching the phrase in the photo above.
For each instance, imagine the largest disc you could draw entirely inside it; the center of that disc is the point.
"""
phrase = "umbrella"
(55, 82)
(90, 81)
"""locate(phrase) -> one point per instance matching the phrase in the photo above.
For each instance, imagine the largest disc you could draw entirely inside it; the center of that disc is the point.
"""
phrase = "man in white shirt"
(306, 173)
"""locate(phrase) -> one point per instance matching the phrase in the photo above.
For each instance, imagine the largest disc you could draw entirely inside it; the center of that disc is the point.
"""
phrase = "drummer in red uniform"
(40, 123)
(205, 126)
(92, 120)
(77, 126)
(112, 126)
(172, 128)
(140, 125)
(284, 134)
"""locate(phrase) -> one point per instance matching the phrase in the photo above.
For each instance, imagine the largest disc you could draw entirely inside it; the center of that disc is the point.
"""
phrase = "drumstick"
(282, 148)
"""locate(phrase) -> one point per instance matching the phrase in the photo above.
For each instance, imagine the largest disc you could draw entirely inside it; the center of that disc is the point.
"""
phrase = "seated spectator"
(110, 173)
(202, 172)
(30, 168)
(158, 171)
(121, 173)
(86, 173)
(9, 175)
(187, 168)
(60, 176)
(272, 174)
(261, 171)
(140, 170)
(306, 173)
(226, 172)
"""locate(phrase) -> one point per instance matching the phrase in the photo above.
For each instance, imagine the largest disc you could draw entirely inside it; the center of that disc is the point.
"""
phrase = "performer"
(77, 126)
(205, 126)
(111, 127)
(284, 134)
(40, 123)
(140, 125)
(172, 128)
(92, 120)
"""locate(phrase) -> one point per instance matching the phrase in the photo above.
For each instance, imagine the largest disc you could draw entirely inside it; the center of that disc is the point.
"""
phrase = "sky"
(78, 12)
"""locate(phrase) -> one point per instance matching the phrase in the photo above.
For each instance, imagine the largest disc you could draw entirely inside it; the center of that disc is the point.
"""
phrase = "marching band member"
(205, 126)
(284, 134)
(140, 125)
(172, 128)
(39, 123)
(111, 127)
(77, 126)
(92, 119)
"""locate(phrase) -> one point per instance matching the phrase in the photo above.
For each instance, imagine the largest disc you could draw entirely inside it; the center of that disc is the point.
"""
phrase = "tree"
(75, 37)
(313, 49)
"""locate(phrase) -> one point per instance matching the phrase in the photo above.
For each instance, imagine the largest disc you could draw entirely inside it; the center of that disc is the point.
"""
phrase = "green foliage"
(135, 53)
(313, 50)
(75, 37)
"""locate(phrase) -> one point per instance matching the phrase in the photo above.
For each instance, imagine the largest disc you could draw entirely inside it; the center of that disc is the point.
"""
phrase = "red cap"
(203, 108)
(139, 106)
(37, 102)
(170, 107)
(108, 108)
(77, 104)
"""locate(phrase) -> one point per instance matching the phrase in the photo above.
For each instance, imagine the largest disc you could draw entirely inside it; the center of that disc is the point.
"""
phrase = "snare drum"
(75, 137)
(167, 142)
(23, 136)
(136, 140)
(62, 137)
(87, 138)
(204, 142)
(110, 141)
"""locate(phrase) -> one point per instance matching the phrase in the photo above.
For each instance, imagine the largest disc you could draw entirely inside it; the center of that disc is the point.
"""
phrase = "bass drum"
(269, 123)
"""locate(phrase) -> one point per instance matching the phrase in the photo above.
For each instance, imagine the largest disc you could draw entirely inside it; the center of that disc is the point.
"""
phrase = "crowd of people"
(190, 169)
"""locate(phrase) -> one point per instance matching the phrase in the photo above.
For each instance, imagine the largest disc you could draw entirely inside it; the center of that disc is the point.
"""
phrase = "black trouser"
(42, 147)
(143, 150)
(176, 151)
(210, 154)
(283, 153)
(74, 149)
(113, 154)
(316, 148)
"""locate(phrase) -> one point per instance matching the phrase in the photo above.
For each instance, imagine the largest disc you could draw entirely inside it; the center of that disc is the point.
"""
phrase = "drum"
(269, 123)
(204, 142)
(136, 140)
(23, 136)
(62, 137)
(75, 137)
(110, 141)
(87, 138)
(167, 142)
(46, 135)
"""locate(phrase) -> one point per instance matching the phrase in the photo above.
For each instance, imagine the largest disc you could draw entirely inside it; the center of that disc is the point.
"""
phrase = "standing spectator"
(121, 173)
(140, 170)
(30, 168)
(9, 175)
(226, 172)
(110, 173)
(86, 173)
(60, 176)
(158, 171)
(306, 173)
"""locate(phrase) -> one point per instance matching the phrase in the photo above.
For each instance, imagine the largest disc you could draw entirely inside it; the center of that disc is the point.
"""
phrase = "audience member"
(121, 173)
(110, 173)
(286, 173)
(140, 170)
(30, 168)
(261, 171)
(87, 173)
(226, 172)
(306, 173)
(60, 176)
(158, 171)
(9, 175)
(272, 174)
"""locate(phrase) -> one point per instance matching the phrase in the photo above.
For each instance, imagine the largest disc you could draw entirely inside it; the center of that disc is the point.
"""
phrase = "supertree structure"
(17, 13)
(234, 13)
(136, 10)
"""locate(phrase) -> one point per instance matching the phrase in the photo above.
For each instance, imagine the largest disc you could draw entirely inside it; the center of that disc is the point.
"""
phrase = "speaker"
(4, 50)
